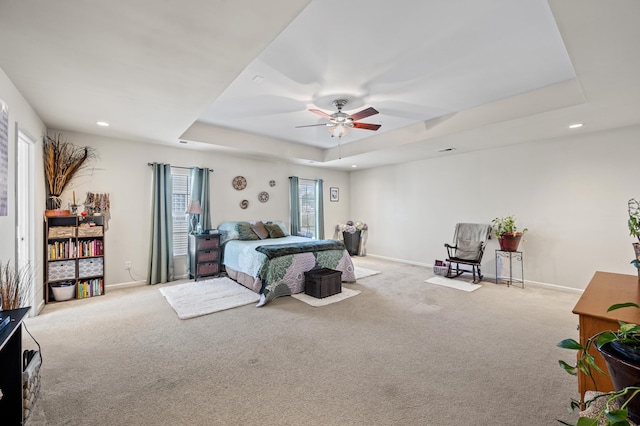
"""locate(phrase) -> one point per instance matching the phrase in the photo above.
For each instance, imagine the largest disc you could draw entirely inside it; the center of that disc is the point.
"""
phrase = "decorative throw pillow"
(468, 250)
(274, 230)
(260, 230)
(245, 232)
(281, 225)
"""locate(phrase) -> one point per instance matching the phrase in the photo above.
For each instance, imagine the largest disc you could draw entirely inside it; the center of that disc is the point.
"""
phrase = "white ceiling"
(464, 74)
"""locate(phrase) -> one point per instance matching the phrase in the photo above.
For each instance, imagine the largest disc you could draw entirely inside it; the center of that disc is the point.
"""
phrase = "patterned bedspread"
(283, 275)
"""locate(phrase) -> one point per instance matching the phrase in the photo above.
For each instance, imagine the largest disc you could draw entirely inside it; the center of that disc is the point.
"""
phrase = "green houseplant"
(619, 348)
(507, 232)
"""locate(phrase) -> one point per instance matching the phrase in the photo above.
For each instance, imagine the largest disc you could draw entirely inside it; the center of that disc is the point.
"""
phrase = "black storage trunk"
(323, 282)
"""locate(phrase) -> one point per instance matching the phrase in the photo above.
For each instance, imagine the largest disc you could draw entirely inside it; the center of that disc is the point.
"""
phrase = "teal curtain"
(161, 244)
(319, 210)
(200, 191)
(294, 204)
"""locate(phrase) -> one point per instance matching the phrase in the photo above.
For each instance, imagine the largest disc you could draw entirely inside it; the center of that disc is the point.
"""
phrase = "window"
(180, 201)
(307, 199)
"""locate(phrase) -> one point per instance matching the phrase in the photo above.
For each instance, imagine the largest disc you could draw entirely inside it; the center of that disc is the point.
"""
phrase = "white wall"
(571, 193)
(23, 116)
(122, 171)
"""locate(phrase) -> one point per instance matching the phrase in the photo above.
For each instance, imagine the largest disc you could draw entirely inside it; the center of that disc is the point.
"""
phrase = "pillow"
(281, 225)
(245, 232)
(228, 231)
(274, 230)
(260, 230)
(468, 250)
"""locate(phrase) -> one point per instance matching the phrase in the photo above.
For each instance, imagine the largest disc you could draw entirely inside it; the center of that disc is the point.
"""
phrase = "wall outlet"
(127, 265)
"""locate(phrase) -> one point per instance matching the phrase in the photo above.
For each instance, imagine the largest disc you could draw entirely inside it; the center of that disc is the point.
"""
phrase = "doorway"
(25, 212)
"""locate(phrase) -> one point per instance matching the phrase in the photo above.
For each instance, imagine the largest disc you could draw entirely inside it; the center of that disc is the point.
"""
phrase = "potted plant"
(633, 207)
(14, 284)
(506, 231)
(62, 161)
(621, 352)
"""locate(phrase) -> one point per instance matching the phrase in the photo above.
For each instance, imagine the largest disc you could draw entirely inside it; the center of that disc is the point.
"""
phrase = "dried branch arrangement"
(62, 161)
(14, 285)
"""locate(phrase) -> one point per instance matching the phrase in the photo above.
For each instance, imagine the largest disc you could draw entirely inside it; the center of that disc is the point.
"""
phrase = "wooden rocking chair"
(469, 241)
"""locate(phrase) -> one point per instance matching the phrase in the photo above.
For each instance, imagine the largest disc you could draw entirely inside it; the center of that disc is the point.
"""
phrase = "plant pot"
(510, 242)
(352, 242)
(623, 372)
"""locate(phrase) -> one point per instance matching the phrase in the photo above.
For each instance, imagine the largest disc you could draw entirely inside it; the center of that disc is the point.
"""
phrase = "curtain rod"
(179, 167)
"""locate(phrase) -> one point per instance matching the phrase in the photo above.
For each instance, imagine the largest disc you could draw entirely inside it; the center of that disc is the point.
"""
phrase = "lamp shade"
(194, 207)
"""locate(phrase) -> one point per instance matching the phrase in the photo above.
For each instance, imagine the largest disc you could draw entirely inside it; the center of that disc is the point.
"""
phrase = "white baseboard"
(526, 282)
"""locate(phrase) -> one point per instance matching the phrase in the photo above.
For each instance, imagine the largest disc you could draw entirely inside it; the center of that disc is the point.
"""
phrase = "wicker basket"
(440, 267)
(89, 231)
(62, 231)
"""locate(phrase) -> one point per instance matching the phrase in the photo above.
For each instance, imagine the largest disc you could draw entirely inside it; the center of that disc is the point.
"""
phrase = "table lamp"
(195, 211)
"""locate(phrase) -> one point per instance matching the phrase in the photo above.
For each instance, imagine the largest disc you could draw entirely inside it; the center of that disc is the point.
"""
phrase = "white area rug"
(457, 284)
(364, 272)
(313, 301)
(198, 298)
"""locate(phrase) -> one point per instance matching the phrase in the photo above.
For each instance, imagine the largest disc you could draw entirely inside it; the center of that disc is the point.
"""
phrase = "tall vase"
(352, 242)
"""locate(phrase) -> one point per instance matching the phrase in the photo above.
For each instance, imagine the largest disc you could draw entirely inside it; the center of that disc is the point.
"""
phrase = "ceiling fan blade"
(313, 125)
(367, 126)
(364, 114)
(321, 113)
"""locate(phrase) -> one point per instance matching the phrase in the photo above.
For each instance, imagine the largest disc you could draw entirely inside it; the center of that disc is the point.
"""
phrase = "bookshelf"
(74, 257)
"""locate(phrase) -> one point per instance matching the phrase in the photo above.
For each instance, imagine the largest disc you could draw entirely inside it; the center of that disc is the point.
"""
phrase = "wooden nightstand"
(204, 255)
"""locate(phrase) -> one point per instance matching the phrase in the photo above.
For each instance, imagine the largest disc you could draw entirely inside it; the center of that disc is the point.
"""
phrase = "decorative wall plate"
(263, 197)
(272, 183)
(244, 204)
(239, 183)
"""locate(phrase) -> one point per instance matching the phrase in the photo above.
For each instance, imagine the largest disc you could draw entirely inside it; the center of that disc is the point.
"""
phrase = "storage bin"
(441, 267)
(92, 267)
(207, 243)
(62, 270)
(207, 256)
(63, 291)
(89, 231)
(207, 268)
(322, 282)
(62, 231)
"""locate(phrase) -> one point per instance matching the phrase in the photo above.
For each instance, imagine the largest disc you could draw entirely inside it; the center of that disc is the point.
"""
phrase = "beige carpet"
(400, 353)
(197, 298)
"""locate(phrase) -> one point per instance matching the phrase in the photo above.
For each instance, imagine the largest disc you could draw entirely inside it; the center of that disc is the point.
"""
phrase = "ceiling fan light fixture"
(339, 130)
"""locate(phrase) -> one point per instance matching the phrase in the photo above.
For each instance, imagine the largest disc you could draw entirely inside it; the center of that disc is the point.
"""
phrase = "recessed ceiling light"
(102, 123)
(575, 126)
(354, 166)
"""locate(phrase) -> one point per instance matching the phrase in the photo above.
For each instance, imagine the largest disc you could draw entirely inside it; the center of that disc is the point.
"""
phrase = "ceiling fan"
(340, 123)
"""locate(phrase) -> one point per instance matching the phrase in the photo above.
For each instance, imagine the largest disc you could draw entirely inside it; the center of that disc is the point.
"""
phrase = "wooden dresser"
(204, 255)
(605, 289)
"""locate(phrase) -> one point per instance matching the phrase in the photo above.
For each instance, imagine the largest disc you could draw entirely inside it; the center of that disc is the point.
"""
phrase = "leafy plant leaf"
(570, 344)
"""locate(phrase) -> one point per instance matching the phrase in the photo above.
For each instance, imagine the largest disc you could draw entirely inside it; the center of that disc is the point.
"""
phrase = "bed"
(273, 264)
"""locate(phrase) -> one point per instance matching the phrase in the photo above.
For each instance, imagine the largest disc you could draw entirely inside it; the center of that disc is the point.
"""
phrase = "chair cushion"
(468, 250)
